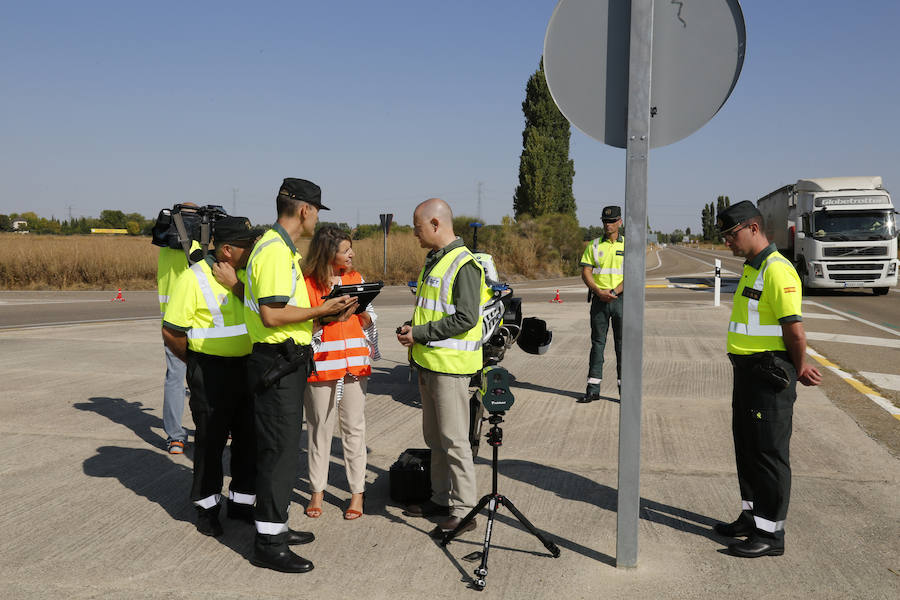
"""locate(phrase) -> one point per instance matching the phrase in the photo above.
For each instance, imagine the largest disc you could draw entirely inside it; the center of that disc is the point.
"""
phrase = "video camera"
(177, 227)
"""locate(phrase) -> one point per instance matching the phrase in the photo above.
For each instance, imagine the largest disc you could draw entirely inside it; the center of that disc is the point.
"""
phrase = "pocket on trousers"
(771, 426)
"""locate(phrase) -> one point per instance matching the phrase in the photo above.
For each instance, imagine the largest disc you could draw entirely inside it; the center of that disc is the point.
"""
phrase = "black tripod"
(492, 500)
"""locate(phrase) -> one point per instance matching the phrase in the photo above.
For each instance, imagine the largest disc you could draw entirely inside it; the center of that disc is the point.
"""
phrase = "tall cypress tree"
(545, 169)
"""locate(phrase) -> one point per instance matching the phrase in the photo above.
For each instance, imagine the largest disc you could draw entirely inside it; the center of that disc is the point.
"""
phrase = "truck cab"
(841, 232)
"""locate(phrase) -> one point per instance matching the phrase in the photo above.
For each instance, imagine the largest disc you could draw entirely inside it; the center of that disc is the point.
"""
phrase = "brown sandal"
(314, 512)
(351, 513)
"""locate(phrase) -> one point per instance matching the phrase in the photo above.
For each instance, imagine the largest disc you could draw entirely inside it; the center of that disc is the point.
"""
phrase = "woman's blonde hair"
(322, 250)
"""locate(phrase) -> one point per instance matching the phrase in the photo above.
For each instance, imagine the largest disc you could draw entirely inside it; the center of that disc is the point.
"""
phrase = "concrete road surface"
(91, 506)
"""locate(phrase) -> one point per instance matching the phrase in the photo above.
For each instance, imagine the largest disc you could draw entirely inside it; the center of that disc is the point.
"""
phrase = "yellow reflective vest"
(768, 294)
(208, 312)
(606, 259)
(169, 265)
(460, 354)
(274, 275)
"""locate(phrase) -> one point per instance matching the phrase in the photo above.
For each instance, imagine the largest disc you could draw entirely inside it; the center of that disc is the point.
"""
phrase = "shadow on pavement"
(133, 415)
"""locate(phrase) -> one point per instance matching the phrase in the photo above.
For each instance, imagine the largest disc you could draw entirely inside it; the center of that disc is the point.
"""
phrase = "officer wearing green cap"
(203, 326)
(280, 323)
(602, 272)
(767, 349)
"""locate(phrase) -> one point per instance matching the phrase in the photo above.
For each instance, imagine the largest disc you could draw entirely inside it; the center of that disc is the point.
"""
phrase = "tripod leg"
(471, 515)
(554, 551)
(481, 571)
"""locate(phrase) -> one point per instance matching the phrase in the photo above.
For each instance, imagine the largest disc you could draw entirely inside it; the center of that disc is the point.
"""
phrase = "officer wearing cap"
(601, 272)
(280, 322)
(767, 349)
(203, 326)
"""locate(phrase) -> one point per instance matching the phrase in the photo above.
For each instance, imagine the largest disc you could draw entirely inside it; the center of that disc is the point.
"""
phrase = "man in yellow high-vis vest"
(203, 326)
(767, 349)
(602, 272)
(171, 263)
(445, 342)
(280, 323)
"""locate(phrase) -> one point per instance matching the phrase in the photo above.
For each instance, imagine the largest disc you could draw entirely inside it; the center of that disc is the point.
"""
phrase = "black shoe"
(427, 509)
(449, 525)
(589, 397)
(240, 512)
(756, 547)
(272, 552)
(742, 526)
(208, 521)
(295, 538)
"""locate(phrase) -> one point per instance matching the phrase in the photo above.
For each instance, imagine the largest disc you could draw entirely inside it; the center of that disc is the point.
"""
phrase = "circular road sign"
(698, 51)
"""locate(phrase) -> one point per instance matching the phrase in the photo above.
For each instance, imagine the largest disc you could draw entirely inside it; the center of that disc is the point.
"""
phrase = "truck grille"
(854, 276)
(855, 251)
(854, 267)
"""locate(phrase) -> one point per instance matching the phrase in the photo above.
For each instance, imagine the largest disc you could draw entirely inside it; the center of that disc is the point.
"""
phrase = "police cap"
(611, 214)
(235, 229)
(736, 214)
(303, 190)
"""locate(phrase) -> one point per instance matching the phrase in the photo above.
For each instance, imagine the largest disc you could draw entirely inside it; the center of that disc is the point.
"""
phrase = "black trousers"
(278, 412)
(602, 314)
(221, 403)
(762, 418)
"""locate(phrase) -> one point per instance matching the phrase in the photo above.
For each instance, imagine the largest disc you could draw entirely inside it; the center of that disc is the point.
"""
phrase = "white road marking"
(65, 323)
(852, 339)
(856, 384)
(883, 380)
(658, 261)
(811, 315)
(709, 264)
(29, 301)
(849, 316)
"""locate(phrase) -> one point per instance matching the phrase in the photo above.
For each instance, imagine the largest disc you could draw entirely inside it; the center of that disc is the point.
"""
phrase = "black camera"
(177, 227)
(495, 394)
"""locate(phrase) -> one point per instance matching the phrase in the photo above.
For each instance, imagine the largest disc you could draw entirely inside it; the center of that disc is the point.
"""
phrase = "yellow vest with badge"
(606, 259)
(763, 296)
(460, 354)
(209, 313)
(273, 274)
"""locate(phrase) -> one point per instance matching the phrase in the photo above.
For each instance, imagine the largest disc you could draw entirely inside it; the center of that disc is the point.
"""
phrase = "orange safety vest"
(344, 348)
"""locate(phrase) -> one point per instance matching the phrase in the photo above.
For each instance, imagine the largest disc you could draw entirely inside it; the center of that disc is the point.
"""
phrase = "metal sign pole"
(637, 150)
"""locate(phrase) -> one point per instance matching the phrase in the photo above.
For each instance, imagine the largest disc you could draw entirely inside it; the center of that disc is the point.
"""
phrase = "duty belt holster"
(286, 358)
(763, 365)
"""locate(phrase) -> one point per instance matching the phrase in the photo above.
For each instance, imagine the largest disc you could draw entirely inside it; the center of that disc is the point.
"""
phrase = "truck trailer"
(840, 232)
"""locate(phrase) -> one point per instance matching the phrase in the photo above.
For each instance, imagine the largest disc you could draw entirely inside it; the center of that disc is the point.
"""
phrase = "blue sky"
(136, 106)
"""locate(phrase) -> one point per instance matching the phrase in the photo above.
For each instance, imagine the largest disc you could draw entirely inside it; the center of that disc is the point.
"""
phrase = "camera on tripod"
(494, 393)
(183, 224)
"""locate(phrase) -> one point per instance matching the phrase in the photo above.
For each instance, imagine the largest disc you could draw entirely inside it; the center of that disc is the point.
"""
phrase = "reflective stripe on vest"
(442, 303)
(343, 348)
(250, 299)
(598, 271)
(219, 330)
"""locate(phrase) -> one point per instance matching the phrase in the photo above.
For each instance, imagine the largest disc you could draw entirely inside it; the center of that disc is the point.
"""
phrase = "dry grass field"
(50, 262)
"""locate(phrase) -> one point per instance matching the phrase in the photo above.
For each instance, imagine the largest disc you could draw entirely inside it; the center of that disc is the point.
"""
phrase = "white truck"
(840, 232)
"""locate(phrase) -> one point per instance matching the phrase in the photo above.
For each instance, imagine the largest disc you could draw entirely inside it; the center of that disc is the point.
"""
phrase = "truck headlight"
(817, 270)
(892, 268)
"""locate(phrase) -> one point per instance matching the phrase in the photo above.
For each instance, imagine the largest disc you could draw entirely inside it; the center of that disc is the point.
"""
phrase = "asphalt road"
(856, 332)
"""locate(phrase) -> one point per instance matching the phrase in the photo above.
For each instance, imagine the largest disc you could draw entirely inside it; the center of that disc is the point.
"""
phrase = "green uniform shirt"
(274, 276)
(605, 258)
(768, 295)
(169, 265)
(210, 314)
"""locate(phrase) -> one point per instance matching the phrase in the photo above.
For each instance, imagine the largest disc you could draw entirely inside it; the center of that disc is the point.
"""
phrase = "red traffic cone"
(119, 296)
(557, 298)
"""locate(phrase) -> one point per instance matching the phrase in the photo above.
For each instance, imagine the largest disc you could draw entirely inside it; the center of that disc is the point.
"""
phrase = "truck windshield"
(834, 225)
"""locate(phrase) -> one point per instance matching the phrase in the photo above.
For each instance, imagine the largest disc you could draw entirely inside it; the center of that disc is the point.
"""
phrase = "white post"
(718, 281)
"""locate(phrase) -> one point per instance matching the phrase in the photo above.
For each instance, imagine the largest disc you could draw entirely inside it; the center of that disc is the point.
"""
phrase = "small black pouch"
(767, 370)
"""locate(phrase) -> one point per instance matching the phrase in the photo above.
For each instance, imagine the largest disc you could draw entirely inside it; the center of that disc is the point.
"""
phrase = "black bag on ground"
(410, 476)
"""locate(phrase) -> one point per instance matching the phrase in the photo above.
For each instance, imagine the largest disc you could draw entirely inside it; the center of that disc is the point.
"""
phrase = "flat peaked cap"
(303, 190)
(235, 229)
(736, 214)
(611, 213)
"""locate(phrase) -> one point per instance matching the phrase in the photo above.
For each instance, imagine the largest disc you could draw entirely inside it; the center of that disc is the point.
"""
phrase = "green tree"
(545, 169)
(113, 219)
(133, 227)
(5, 223)
(722, 202)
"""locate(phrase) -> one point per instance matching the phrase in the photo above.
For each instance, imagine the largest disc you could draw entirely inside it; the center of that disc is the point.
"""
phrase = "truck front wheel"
(880, 291)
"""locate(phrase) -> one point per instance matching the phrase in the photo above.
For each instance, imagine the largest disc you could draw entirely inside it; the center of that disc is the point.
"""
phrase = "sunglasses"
(729, 237)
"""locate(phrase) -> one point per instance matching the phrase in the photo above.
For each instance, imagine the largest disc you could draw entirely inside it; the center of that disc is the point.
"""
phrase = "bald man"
(445, 341)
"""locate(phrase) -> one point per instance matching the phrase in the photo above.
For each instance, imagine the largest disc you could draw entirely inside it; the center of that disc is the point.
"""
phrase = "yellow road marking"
(860, 387)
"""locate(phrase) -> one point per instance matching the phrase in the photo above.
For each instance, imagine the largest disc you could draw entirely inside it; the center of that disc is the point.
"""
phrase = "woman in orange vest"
(337, 390)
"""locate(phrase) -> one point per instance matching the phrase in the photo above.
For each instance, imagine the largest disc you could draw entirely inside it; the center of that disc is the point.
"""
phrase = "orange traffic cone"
(119, 296)
(557, 298)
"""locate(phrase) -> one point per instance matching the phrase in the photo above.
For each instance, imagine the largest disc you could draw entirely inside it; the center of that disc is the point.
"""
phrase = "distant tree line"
(134, 223)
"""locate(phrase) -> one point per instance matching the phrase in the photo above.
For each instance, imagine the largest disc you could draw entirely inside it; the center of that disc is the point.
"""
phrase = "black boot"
(240, 512)
(272, 552)
(743, 526)
(208, 521)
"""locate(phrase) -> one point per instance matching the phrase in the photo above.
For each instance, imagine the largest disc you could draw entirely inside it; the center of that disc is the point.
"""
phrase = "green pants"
(602, 313)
